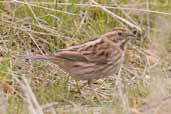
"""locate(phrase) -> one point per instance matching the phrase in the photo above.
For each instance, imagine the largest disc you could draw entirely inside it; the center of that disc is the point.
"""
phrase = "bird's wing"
(70, 55)
(97, 51)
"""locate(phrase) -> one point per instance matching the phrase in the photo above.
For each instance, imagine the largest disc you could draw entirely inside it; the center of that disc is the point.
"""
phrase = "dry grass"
(143, 85)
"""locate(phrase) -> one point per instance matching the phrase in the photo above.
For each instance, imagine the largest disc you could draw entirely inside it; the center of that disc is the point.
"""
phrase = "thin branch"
(26, 97)
(32, 96)
(125, 13)
(116, 16)
(30, 99)
(34, 15)
(36, 44)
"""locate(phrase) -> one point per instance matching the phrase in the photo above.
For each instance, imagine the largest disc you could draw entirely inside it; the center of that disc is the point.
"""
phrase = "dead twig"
(116, 16)
(30, 99)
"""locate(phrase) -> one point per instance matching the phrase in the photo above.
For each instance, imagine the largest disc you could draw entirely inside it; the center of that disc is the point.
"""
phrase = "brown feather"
(94, 59)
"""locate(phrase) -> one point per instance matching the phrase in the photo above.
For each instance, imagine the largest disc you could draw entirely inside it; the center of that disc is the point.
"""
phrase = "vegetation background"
(143, 85)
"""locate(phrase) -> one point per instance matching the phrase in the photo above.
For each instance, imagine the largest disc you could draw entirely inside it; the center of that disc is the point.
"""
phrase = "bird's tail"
(39, 57)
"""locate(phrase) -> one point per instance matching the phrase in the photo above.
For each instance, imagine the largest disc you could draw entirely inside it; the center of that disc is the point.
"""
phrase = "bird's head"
(120, 36)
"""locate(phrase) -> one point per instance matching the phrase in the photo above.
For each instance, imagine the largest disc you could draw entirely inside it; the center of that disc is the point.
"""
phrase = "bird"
(94, 59)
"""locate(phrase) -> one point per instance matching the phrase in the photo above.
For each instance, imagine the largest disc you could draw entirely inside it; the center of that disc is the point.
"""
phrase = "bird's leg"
(89, 82)
(93, 90)
(77, 86)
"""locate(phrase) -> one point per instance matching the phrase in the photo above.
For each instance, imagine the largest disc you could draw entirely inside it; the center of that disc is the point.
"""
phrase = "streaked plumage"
(94, 59)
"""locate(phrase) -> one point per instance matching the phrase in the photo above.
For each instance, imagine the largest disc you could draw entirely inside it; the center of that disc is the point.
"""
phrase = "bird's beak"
(131, 36)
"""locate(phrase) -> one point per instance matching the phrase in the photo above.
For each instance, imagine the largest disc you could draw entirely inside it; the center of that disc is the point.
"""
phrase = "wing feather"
(97, 51)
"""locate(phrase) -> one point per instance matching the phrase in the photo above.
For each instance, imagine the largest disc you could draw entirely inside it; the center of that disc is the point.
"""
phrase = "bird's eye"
(135, 32)
(119, 33)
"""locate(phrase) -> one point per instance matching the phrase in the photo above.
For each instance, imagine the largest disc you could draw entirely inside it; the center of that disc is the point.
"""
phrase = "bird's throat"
(123, 44)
